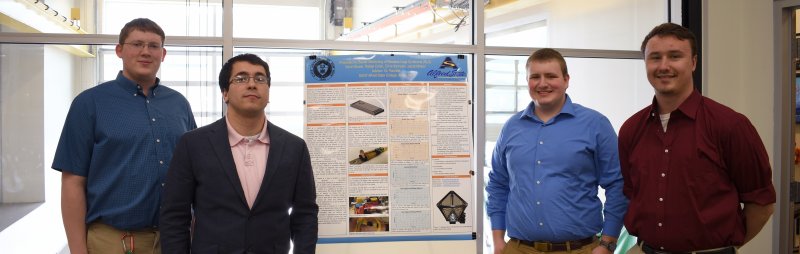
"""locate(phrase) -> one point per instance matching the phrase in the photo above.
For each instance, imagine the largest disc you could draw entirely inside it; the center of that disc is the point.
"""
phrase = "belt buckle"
(541, 246)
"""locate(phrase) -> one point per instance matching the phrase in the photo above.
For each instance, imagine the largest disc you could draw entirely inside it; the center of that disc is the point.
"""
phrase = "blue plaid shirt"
(122, 142)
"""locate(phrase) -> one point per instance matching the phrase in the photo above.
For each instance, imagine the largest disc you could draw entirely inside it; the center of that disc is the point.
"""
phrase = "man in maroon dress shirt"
(689, 162)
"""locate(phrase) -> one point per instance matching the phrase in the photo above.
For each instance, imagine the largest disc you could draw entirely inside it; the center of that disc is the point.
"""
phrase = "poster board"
(390, 138)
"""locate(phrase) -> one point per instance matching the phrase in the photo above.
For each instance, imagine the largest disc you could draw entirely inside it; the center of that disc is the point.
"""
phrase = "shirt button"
(538, 182)
(666, 150)
(541, 142)
(663, 174)
(135, 95)
(659, 224)
(538, 203)
(153, 119)
(538, 162)
(660, 199)
(541, 224)
(161, 162)
(162, 184)
(158, 140)
(148, 101)
(662, 247)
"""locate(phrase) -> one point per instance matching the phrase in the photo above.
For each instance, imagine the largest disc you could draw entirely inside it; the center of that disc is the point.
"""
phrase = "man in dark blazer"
(231, 184)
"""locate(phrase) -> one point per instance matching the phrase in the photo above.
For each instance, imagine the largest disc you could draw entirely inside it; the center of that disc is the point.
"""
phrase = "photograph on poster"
(367, 108)
(369, 205)
(368, 155)
(453, 208)
(369, 224)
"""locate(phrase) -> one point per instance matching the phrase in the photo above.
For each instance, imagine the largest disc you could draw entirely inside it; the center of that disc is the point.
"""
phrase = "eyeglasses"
(243, 79)
(141, 45)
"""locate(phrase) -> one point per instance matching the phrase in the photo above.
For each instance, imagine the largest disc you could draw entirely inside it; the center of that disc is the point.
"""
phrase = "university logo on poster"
(322, 68)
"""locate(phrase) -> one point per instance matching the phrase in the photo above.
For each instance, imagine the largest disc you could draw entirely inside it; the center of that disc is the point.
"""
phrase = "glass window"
(192, 71)
(286, 106)
(286, 94)
(592, 84)
(615, 87)
(277, 19)
(179, 18)
(39, 17)
(445, 22)
(37, 84)
(610, 25)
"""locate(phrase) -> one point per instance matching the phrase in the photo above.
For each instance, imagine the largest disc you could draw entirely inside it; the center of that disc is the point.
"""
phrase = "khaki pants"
(102, 238)
(636, 249)
(514, 247)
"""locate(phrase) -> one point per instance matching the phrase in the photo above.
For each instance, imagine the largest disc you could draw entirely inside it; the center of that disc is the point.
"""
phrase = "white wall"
(21, 144)
(46, 77)
(738, 66)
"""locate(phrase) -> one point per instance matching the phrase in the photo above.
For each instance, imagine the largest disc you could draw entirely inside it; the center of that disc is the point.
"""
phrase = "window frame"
(477, 48)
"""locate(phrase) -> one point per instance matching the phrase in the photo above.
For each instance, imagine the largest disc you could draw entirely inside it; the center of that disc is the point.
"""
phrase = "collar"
(568, 109)
(688, 107)
(131, 87)
(234, 138)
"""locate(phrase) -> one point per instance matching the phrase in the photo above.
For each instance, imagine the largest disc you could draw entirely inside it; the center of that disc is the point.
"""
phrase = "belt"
(546, 246)
(650, 250)
(144, 230)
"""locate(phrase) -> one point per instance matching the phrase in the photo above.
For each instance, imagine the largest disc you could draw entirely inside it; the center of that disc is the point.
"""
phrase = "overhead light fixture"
(57, 16)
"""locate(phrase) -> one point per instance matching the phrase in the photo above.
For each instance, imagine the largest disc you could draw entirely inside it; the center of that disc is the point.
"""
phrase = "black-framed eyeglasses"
(141, 45)
(243, 79)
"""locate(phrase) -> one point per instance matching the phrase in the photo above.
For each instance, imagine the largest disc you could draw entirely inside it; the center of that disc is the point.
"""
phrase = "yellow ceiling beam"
(77, 50)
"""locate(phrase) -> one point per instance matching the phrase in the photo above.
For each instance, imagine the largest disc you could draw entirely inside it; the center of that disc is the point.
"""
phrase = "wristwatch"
(609, 245)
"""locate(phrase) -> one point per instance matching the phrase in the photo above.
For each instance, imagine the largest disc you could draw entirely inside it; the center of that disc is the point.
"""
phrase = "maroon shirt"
(685, 185)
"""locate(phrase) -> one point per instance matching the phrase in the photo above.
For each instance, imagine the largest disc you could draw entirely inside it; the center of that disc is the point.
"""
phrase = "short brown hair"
(548, 54)
(671, 29)
(141, 24)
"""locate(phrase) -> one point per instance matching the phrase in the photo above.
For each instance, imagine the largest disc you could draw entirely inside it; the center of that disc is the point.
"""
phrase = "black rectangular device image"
(366, 107)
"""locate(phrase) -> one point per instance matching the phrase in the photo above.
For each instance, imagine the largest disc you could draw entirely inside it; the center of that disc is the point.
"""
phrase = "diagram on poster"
(453, 208)
(390, 140)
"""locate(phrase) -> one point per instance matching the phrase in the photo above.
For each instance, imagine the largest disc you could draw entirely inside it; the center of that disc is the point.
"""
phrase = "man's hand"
(498, 238)
(499, 247)
(601, 250)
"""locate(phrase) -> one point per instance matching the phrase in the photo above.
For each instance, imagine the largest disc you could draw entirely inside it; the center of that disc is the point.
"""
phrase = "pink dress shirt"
(251, 160)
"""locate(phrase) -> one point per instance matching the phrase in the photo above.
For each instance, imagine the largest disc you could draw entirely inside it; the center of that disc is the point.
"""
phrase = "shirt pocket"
(709, 164)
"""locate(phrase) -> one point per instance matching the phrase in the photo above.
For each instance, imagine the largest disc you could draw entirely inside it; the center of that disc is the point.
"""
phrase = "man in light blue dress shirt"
(546, 167)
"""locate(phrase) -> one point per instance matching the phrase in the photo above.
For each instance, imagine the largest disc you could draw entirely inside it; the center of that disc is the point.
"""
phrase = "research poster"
(390, 138)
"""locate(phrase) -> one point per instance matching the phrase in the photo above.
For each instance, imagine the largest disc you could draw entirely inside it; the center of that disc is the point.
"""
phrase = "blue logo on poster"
(442, 72)
(322, 68)
(448, 63)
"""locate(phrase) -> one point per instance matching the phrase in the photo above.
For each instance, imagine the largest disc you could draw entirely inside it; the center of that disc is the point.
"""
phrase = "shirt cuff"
(612, 227)
(763, 196)
(498, 222)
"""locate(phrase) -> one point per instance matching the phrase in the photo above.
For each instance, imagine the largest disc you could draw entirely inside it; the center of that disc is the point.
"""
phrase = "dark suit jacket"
(202, 181)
